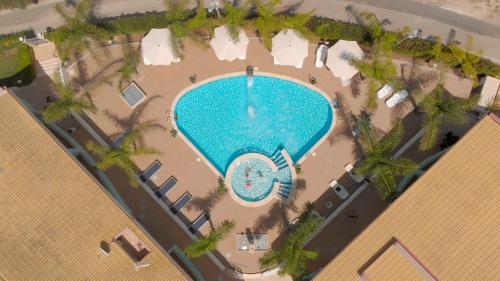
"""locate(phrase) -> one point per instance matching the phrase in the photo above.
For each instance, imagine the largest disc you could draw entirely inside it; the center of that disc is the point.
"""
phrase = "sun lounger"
(118, 141)
(339, 189)
(150, 171)
(165, 187)
(199, 222)
(181, 203)
(385, 91)
(397, 98)
(350, 170)
(321, 56)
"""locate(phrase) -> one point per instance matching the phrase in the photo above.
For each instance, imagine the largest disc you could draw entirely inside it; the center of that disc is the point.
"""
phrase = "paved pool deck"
(163, 83)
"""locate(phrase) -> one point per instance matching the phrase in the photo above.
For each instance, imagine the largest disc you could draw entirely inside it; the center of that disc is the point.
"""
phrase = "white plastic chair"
(350, 171)
(339, 189)
(385, 91)
(321, 56)
(397, 98)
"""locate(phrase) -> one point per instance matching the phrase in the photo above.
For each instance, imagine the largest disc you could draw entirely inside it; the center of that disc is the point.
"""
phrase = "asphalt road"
(396, 13)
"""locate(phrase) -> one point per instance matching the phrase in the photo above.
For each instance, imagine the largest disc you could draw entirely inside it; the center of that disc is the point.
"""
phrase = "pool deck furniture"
(181, 203)
(166, 187)
(289, 48)
(226, 48)
(321, 56)
(157, 49)
(339, 60)
(119, 140)
(253, 242)
(350, 171)
(339, 189)
(397, 98)
(385, 91)
(490, 91)
(199, 222)
(150, 171)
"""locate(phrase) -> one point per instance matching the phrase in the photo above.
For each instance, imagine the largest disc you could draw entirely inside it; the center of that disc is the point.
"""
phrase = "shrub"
(11, 41)
(487, 67)
(414, 47)
(330, 29)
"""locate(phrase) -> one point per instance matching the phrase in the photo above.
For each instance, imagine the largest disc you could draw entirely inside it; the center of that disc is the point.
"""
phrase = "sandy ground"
(480, 9)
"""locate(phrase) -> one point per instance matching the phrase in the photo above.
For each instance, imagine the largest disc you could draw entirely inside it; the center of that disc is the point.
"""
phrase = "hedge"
(329, 29)
(134, 23)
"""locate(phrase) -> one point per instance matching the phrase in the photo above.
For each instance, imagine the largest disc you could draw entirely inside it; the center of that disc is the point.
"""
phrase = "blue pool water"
(253, 179)
(216, 118)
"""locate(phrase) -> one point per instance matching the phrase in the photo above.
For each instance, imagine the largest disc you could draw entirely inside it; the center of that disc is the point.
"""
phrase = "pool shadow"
(278, 215)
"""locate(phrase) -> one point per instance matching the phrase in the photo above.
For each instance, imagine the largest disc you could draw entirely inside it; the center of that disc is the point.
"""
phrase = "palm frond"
(385, 183)
(389, 142)
(431, 133)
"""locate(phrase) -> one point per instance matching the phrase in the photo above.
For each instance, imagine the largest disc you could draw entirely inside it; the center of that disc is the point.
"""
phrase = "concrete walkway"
(398, 13)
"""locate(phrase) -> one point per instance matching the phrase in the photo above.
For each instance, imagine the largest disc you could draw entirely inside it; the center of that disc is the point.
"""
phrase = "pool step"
(276, 153)
(283, 193)
(283, 165)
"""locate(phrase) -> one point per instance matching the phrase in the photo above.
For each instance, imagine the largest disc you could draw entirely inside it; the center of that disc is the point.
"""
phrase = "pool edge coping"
(239, 73)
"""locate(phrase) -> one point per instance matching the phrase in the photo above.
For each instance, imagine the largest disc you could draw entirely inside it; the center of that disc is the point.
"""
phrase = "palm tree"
(68, 101)
(235, 19)
(182, 25)
(292, 257)
(466, 59)
(440, 108)
(379, 71)
(209, 243)
(131, 60)
(77, 34)
(378, 161)
(121, 155)
(269, 22)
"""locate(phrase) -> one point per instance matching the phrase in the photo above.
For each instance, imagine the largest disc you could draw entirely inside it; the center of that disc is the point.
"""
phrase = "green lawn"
(16, 64)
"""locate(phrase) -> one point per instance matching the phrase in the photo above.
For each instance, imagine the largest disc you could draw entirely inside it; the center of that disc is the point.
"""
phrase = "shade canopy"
(340, 56)
(157, 48)
(289, 48)
(226, 48)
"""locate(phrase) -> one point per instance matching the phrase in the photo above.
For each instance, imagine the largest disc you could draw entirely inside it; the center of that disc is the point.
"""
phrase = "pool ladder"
(279, 159)
(284, 190)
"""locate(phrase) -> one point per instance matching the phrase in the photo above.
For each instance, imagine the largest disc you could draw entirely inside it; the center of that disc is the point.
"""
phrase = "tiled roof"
(54, 215)
(449, 220)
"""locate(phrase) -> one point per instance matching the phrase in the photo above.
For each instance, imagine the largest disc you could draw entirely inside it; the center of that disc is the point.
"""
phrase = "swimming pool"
(224, 119)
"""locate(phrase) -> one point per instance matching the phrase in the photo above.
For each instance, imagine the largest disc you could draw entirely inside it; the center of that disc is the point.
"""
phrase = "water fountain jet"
(250, 107)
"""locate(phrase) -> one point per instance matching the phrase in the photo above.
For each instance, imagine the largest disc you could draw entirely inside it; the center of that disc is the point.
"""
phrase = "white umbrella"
(157, 48)
(289, 48)
(224, 46)
(340, 56)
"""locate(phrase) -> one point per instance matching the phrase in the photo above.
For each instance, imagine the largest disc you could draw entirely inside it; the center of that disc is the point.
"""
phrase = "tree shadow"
(415, 79)
(451, 38)
(343, 126)
(208, 202)
(356, 82)
(353, 13)
(278, 215)
(132, 121)
(290, 10)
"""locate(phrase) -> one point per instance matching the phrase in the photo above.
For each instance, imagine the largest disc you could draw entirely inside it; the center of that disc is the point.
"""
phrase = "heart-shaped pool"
(229, 117)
